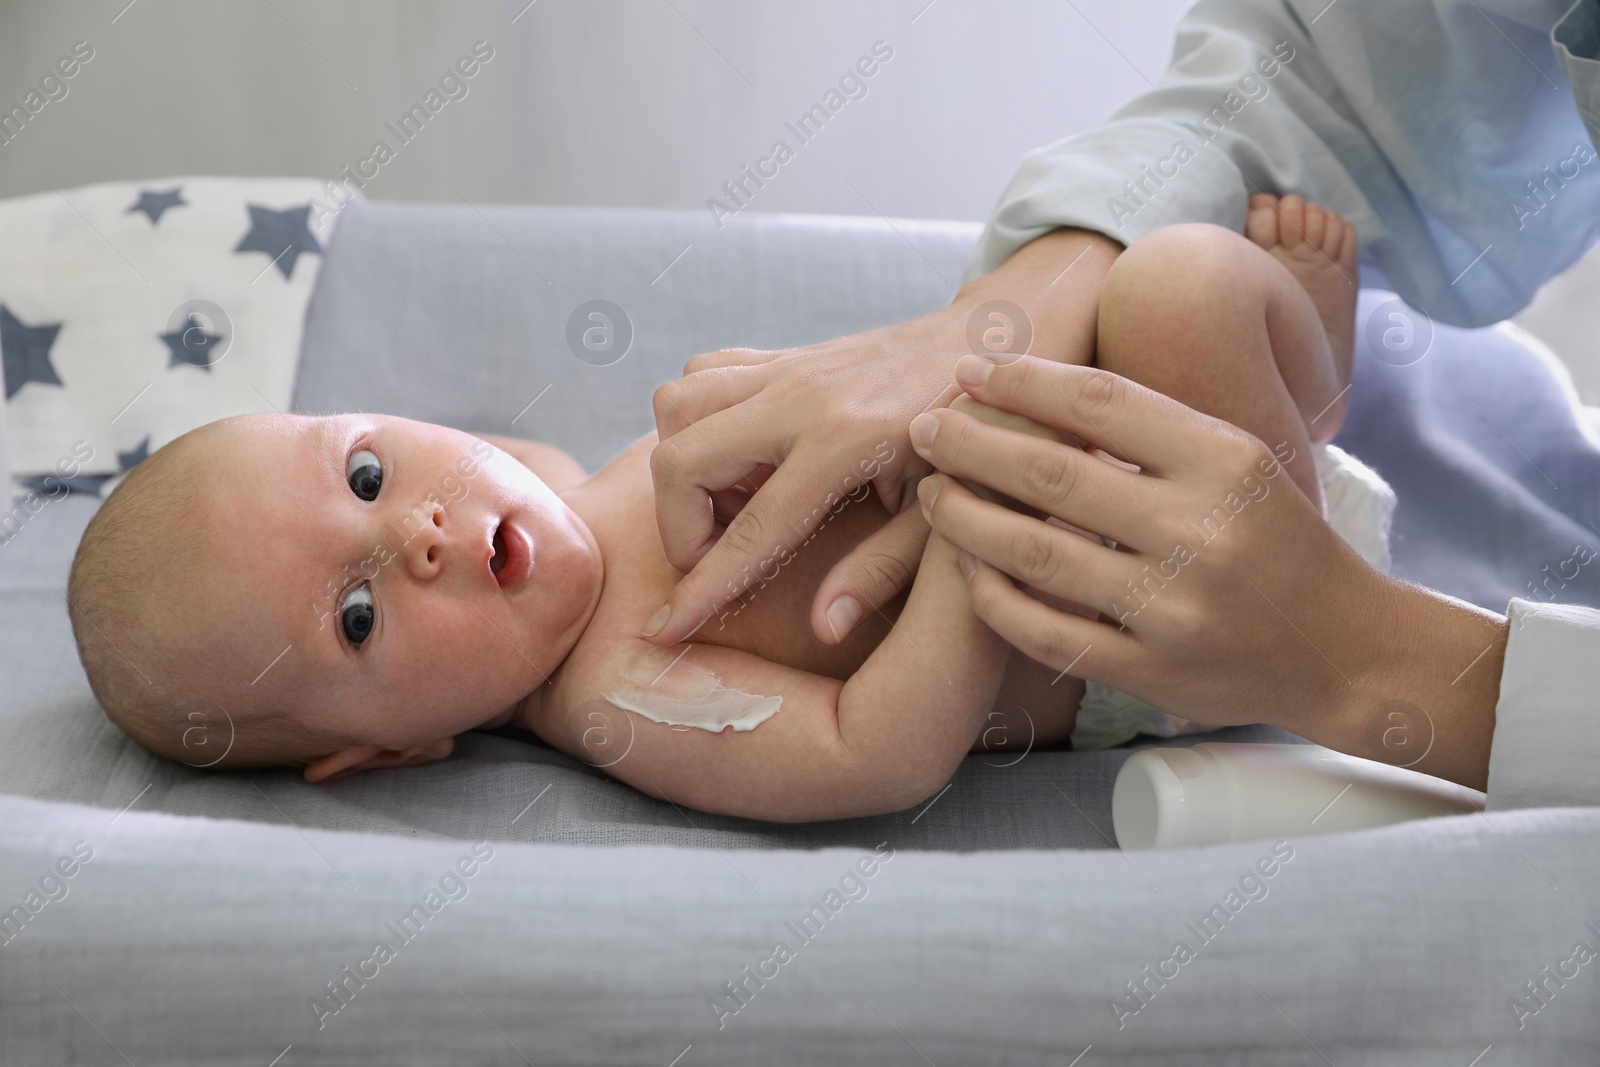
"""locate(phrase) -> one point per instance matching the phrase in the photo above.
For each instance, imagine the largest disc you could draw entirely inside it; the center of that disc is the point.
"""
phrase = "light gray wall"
(611, 102)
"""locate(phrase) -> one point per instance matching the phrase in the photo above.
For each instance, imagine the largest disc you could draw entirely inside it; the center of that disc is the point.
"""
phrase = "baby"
(350, 592)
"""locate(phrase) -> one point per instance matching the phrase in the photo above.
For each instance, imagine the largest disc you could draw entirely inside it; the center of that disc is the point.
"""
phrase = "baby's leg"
(1318, 247)
(1210, 319)
(1225, 325)
(1037, 707)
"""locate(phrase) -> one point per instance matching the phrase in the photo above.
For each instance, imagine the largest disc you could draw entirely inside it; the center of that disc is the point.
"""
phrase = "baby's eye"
(356, 614)
(364, 474)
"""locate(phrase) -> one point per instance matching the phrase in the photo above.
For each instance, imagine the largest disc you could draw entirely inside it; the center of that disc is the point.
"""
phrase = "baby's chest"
(768, 605)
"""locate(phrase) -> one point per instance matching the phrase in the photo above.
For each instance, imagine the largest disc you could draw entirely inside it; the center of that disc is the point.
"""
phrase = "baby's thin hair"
(125, 598)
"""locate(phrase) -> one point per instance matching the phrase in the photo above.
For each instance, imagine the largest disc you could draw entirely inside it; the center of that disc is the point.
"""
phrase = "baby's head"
(346, 592)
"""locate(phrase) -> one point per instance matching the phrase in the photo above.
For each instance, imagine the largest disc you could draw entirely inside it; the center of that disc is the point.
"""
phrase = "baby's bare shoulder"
(553, 466)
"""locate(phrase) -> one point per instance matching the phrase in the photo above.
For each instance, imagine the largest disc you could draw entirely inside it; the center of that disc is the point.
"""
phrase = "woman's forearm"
(1055, 282)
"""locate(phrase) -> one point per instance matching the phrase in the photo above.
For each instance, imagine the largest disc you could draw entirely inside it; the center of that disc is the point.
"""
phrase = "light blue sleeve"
(1452, 133)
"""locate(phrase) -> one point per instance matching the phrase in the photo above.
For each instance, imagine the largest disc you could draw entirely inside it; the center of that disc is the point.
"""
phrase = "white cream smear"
(664, 688)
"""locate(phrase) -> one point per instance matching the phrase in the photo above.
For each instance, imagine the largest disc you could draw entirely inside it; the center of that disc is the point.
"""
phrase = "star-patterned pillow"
(132, 312)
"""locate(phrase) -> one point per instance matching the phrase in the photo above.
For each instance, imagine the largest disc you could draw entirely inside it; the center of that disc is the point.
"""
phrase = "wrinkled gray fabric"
(202, 942)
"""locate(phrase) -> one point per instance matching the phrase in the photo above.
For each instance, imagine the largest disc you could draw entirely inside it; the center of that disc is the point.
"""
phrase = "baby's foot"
(1319, 248)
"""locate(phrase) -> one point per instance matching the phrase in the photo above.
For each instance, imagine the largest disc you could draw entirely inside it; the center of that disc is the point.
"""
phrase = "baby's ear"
(357, 758)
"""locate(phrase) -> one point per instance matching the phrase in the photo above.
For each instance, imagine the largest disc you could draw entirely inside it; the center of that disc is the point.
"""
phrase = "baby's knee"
(1181, 268)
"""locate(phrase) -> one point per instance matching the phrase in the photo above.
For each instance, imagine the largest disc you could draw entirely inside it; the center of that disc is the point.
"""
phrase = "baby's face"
(417, 581)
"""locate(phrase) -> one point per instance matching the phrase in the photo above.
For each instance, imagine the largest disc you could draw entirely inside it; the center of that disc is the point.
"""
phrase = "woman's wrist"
(1423, 692)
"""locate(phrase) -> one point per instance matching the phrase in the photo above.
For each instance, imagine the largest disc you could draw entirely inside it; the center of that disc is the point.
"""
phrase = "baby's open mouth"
(512, 556)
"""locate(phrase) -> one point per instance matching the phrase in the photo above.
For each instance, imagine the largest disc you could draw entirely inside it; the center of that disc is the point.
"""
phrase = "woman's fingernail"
(974, 370)
(657, 621)
(928, 491)
(924, 428)
(843, 615)
(968, 563)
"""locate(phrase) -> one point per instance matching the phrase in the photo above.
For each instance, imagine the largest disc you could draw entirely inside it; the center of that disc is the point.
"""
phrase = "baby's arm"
(882, 741)
(554, 467)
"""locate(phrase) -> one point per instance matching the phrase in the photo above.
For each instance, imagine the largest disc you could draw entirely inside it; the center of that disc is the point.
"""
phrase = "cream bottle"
(1213, 793)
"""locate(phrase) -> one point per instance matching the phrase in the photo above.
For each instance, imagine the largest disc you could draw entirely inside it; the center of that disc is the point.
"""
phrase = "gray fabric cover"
(190, 941)
(440, 313)
(1000, 933)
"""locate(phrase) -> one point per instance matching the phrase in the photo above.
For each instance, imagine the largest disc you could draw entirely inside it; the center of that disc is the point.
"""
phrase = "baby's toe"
(1292, 221)
(1344, 252)
(1261, 220)
(1316, 226)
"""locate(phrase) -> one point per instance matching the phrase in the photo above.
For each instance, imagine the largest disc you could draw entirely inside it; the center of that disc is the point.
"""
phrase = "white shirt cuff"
(1546, 748)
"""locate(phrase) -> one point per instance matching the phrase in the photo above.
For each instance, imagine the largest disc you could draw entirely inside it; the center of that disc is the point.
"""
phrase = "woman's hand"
(832, 417)
(757, 448)
(1227, 598)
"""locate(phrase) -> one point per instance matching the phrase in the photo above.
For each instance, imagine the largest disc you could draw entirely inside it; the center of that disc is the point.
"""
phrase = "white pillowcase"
(132, 312)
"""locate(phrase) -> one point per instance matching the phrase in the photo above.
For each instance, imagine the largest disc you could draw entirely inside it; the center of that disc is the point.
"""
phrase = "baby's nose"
(425, 541)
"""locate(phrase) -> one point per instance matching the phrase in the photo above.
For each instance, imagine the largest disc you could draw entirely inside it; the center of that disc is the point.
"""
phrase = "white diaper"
(1360, 509)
